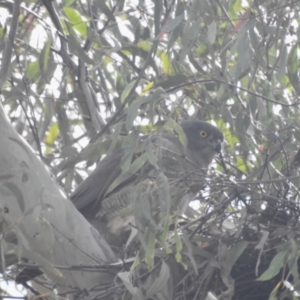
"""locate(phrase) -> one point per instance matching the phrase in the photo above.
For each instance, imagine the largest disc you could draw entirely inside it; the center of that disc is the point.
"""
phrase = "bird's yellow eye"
(203, 133)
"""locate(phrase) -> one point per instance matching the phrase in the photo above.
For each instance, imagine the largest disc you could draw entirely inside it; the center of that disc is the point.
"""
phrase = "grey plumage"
(109, 196)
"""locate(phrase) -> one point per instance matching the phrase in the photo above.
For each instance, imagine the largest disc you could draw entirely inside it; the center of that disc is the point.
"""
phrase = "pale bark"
(48, 227)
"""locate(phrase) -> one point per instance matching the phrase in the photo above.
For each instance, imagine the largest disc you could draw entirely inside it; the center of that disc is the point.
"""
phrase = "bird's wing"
(97, 183)
(107, 178)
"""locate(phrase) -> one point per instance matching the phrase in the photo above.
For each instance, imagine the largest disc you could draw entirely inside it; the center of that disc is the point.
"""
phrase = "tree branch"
(9, 43)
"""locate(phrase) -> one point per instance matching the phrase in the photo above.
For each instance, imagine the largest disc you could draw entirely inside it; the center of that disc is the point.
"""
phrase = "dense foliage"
(97, 70)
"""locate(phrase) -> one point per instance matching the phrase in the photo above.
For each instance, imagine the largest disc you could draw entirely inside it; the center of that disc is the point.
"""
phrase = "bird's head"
(203, 138)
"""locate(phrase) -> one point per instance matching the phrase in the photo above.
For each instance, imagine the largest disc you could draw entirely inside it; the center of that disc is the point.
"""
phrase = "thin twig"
(8, 48)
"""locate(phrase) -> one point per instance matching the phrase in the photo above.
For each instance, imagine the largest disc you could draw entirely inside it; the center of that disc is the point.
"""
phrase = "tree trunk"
(39, 223)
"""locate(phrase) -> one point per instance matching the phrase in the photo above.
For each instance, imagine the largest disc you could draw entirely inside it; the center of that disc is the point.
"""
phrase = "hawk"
(162, 177)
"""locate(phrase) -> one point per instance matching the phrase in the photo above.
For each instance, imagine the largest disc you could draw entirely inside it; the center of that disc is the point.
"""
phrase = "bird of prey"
(162, 177)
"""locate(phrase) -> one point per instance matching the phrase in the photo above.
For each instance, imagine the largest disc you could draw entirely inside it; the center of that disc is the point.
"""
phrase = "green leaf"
(145, 46)
(188, 251)
(68, 2)
(166, 63)
(262, 111)
(129, 145)
(134, 106)
(282, 63)
(134, 291)
(201, 49)
(212, 32)
(172, 24)
(273, 295)
(76, 20)
(293, 60)
(257, 47)
(188, 39)
(115, 137)
(163, 238)
(160, 282)
(2, 32)
(149, 258)
(263, 239)
(76, 49)
(240, 163)
(32, 71)
(178, 244)
(148, 87)
(134, 168)
(141, 198)
(105, 9)
(292, 66)
(235, 8)
(180, 9)
(239, 125)
(244, 57)
(164, 196)
(127, 90)
(51, 136)
(172, 125)
(276, 265)
(44, 60)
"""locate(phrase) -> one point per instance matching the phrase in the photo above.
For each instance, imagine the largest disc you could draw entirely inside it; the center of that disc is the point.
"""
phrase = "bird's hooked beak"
(217, 145)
